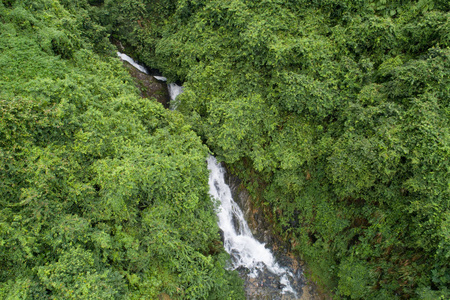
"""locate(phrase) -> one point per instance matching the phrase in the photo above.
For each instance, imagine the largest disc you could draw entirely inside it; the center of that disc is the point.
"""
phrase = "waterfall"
(239, 242)
(245, 251)
(174, 89)
(132, 62)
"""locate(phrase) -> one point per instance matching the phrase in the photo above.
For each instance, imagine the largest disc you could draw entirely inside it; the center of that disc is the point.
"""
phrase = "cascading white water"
(132, 62)
(174, 89)
(239, 242)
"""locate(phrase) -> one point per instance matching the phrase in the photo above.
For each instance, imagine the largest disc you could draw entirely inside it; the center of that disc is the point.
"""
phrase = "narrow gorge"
(264, 276)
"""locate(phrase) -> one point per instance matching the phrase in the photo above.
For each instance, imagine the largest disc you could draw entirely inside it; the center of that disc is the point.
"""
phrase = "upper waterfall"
(173, 88)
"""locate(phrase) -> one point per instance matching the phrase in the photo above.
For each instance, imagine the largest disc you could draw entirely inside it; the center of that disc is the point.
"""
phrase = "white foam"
(174, 91)
(160, 78)
(239, 242)
(132, 62)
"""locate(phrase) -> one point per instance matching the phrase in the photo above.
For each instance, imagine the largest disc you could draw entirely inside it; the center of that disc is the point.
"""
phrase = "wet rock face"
(261, 229)
(266, 285)
(149, 86)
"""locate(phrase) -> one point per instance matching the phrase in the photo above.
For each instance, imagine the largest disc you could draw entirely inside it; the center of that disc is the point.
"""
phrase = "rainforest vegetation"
(335, 114)
(104, 195)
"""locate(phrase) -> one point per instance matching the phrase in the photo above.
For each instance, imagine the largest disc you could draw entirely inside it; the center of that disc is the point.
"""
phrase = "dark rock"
(149, 86)
(222, 235)
(266, 285)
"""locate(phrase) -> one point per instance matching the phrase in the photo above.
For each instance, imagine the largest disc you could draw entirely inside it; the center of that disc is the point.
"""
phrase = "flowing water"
(264, 277)
(132, 62)
(173, 88)
(248, 255)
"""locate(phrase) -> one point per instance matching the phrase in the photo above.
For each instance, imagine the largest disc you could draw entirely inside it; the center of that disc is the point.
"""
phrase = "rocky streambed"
(266, 285)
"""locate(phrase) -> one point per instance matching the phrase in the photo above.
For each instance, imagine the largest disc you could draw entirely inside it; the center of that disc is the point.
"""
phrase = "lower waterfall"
(244, 249)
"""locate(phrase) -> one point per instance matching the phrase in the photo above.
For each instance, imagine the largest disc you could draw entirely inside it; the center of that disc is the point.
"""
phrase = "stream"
(265, 277)
(173, 88)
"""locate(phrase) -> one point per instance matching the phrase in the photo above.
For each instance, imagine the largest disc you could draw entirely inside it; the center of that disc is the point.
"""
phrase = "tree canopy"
(336, 114)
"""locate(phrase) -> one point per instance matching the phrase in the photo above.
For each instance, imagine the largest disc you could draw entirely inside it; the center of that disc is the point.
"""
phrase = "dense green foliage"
(335, 113)
(103, 194)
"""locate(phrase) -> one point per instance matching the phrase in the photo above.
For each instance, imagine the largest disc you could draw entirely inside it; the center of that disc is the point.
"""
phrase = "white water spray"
(132, 62)
(239, 242)
(174, 89)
